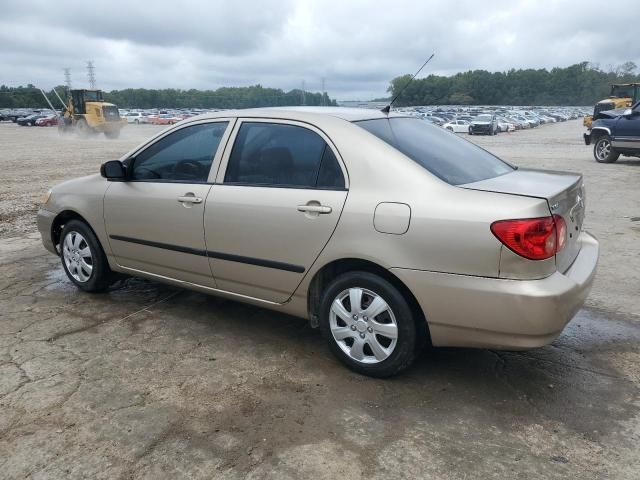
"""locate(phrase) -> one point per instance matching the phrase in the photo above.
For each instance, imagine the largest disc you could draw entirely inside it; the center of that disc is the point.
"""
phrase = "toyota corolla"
(383, 230)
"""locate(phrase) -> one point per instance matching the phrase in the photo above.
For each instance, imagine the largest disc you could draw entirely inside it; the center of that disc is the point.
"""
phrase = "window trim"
(215, 163)
(222, 169)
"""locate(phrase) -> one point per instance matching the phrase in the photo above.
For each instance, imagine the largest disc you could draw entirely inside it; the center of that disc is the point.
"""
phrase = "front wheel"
(83, 129)
(603, 152)
(83, 259)
(368, 324)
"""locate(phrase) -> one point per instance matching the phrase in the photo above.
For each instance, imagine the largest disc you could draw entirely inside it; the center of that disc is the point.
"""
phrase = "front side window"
(182, 156)
(448, 157)
(275, 154)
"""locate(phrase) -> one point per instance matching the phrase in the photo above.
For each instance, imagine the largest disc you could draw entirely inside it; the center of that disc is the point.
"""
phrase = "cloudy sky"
(356, 45)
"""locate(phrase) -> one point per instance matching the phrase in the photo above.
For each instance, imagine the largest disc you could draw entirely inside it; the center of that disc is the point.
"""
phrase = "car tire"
(83, 258)
(381, 346)
(136, 121)
(603, 152)
(450, 129)
(470, 131)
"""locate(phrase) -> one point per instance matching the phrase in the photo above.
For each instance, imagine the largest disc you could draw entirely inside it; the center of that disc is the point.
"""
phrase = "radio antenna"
(387, 109)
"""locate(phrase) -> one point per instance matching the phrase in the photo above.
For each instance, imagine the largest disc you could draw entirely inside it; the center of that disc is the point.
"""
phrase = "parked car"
(384, 231)
(457, 126)
(484, 124)
(48, 121)
(136, 117)
(504, 125)
(30, 120)
(164, 119)
(615, 133)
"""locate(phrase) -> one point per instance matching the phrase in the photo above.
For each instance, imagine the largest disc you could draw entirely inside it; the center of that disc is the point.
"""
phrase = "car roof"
(300, 113)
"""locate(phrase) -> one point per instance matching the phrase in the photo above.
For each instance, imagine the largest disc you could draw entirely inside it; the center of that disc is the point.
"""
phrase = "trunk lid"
(563, 191)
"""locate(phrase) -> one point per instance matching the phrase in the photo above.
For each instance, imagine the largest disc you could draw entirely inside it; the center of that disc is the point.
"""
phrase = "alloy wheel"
(363, 325)
(603, 149)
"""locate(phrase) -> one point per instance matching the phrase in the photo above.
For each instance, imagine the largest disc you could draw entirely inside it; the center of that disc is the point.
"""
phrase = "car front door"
(276, 202)
(154, 219)
(627, 133)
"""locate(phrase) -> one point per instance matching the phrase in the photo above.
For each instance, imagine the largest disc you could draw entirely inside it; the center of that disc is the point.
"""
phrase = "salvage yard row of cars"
(493, 120)
(489, 120)
(49, 118)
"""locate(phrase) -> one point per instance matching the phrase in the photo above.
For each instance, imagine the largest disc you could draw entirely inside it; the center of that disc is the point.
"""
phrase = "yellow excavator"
(86, 112)
(623, 95)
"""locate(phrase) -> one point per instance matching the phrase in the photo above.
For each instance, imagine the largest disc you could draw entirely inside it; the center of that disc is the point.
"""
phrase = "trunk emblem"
(555, 206)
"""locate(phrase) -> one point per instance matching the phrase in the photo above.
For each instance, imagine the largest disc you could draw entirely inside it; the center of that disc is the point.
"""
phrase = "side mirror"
(627, 113)
(113, 170)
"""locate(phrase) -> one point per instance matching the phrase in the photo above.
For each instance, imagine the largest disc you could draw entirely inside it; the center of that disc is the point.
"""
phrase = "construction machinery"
(87, 113)
(622, 95)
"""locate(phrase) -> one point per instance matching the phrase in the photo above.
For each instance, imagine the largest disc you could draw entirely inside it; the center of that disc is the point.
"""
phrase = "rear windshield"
(448, 157)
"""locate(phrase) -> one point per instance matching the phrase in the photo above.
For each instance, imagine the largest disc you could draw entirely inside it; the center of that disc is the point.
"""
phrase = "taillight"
(532, 238)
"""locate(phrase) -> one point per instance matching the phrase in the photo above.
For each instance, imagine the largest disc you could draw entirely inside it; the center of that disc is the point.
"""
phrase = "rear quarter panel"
(449, 227)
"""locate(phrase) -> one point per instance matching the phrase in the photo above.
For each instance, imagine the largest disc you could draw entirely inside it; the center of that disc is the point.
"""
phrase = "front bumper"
(466, 311)
(587, 138)
(45, 221)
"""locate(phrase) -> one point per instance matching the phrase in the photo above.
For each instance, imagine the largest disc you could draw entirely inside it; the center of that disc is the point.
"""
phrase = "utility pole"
(324, 104)
(91, 73)
(67, 79)
(303, 95)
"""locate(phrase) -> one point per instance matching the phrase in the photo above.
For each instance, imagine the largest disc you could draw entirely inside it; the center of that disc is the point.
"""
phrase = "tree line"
(580, 84)
(226, 97)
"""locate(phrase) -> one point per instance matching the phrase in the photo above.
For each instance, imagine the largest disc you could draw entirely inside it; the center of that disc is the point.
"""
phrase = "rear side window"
(450, 158)
(182, 156)
(274, 154)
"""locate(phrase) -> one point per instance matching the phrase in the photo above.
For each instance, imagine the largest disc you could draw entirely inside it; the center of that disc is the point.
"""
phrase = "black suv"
(615, 133)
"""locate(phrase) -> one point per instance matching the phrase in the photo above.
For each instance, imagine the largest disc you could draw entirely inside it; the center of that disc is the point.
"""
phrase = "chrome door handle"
(314, 209)
(189, 199)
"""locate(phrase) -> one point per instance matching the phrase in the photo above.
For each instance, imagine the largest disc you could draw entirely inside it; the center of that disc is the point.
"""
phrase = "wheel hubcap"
(363, 325)
(77, 256)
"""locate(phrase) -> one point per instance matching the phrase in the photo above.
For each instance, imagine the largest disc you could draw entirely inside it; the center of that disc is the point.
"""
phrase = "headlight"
(45, 197)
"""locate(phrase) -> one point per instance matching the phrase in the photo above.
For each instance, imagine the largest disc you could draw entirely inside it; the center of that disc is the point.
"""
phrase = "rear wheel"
(603, 152)
(368, 324)
(83, 259)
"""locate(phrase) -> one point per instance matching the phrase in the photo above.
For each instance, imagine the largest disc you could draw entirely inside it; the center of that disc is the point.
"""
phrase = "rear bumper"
(467, 311)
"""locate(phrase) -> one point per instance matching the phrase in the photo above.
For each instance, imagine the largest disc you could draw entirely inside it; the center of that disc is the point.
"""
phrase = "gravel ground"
(148, 381)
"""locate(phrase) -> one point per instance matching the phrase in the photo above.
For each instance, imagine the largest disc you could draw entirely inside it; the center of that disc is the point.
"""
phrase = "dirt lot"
(149, 381)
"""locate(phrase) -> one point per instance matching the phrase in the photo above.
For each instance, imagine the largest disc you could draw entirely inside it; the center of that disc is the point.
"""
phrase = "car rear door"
(276, 202)
(155, 219)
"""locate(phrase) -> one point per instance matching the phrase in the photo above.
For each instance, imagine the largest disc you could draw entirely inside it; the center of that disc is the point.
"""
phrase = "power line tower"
(67, 78)
(303, 95)
(91, 74)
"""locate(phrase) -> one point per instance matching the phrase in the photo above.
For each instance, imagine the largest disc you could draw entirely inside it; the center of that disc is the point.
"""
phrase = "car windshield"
(448, 157)
(622, 91)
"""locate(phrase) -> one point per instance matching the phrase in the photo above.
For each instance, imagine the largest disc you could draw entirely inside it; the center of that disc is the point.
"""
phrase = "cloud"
(357, 46)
